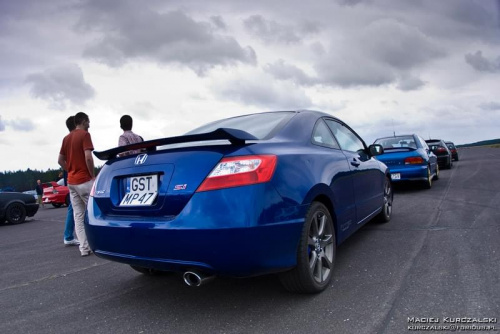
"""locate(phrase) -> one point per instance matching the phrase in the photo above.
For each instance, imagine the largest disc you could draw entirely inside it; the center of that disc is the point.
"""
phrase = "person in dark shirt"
(39, 192)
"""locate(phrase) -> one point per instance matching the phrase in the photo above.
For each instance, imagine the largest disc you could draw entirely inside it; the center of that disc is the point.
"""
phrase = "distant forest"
(26, 180)
(490, 142)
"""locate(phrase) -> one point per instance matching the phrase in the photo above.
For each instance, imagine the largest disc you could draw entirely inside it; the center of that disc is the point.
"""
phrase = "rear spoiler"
(236, 137)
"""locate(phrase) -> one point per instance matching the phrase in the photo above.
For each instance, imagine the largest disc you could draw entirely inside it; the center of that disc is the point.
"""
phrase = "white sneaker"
(73, 242)
(87, 253)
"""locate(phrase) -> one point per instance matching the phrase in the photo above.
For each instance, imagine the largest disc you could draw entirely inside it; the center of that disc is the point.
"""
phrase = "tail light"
(414, 161)
(92, 191)
(441, 149)
(240, 171)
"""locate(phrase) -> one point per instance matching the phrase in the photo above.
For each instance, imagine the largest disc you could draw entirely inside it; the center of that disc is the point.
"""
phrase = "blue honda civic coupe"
(409, 159)
(272, 192)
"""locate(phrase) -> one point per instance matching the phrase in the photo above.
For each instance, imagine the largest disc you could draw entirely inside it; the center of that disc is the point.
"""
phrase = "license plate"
(140, 190)
(396, 176)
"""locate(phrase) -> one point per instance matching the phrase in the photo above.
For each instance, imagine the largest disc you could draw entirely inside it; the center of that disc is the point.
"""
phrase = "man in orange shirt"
(75, 156)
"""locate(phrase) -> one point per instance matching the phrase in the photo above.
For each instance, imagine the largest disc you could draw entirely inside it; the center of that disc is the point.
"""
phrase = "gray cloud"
(273, 32)
(350, 3)
(264, 94)
(60, 85)
(353, 70)
(218, 22)
(384, 52)
(21, 124)
(143, 109)
(463, 20)
(377, 55)
(408, 82)
(490, 106)
(477, 19)
(17, 124)
(131, 31)
(282, 71)
(398, 45)
(481, 64)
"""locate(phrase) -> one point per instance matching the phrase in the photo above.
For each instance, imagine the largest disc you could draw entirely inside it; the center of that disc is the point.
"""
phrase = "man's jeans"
(70, 224)
(79, 198)
(69, 227)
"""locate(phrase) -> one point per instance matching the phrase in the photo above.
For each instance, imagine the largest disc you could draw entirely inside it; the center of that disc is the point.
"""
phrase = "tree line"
(26, 180)
(491, 142)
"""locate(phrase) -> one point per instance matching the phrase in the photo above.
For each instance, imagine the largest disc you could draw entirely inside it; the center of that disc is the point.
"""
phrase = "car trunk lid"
(397, 157)
(160, 183)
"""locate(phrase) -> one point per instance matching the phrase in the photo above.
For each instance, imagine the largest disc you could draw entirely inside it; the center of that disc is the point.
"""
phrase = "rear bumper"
(238, 252)
(444, 160)
(54, 199)
(227, 235)
(31, 209)
(410, 173)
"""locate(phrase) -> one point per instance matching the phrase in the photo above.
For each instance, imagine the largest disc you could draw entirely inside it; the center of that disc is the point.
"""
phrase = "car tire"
(145, 271)
(15, 213)
(315, 254)
(67, 200)
(428, 183)
(385, 215)
(436, 177)
(56, 205)
(449, 164)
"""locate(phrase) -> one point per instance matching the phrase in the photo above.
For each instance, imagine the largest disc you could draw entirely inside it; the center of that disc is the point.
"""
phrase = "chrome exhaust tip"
(192, 278)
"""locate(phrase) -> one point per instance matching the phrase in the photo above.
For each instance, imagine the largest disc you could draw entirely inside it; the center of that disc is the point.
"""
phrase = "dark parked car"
(31, 192)
(273, 192)
(15, 207)
(453, 149)
(439, 148)
(409, 159)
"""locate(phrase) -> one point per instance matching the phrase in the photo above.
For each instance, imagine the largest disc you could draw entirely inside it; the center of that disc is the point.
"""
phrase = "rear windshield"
(262, 126)
(397, 142)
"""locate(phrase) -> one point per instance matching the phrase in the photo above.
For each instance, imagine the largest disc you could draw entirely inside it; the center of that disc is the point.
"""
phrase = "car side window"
(347, 139)
(322, 136)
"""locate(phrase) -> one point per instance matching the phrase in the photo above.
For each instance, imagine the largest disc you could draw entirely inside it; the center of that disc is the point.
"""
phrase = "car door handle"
(355, 163)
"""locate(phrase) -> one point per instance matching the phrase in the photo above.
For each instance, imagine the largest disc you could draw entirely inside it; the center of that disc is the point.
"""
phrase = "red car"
(55, 194)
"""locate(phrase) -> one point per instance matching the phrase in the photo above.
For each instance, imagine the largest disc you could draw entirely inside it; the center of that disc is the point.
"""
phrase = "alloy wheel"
(321, 247)
(388, 197)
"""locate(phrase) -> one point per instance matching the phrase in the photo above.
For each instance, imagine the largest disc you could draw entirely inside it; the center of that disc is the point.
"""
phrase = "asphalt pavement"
(436, 261)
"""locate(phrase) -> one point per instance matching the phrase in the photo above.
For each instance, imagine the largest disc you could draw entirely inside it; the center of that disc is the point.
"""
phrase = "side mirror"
(376, 149)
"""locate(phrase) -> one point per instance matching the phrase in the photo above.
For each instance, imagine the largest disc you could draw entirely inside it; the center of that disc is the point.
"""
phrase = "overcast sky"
(418, 66)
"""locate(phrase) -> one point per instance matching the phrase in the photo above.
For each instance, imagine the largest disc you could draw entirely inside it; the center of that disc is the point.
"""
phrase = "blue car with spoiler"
(272, 192)
(409, 158)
